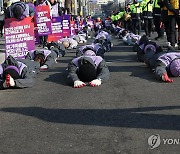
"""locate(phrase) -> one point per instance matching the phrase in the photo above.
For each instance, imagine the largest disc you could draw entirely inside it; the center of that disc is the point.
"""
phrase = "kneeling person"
(88, 69)
(45, 57)
(14, 73)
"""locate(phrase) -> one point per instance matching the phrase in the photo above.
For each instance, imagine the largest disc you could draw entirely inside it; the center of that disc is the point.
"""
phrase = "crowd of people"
(88, 66)
(152, 15)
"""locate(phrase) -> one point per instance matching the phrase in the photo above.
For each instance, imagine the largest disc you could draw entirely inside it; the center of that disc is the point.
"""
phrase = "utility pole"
(84, 7)
(75, 7)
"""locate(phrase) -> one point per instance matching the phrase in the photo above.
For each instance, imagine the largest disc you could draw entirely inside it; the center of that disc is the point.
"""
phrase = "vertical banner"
(66, 25)
(56, 29)
(73, 32)
(43, 20)
(19, 37)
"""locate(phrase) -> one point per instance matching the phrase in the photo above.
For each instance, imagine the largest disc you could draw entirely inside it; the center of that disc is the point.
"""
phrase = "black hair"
(17, 11)
(12, 72)
(87, 72)
(143, 40)
(124, 32)
(41, 57)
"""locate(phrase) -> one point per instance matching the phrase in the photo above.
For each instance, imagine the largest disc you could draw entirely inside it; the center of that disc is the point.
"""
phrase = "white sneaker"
(176, 45)
(168, 43)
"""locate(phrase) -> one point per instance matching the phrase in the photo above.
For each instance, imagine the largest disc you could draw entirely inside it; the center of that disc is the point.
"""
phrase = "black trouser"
(1, 27)
(127, 25)
(136, 25)
(148, 26)
(172, 26)
(165, 20)
(158, 27)
(43, 40)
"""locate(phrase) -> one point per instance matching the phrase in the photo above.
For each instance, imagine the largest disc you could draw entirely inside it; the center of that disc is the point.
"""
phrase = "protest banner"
(73, 32)
(43, 20)
(56, 29)
(19, 37)
(66, 26)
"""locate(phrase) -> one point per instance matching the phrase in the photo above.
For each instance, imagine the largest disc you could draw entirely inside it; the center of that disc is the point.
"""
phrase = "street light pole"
(75, 7)
(84, 7)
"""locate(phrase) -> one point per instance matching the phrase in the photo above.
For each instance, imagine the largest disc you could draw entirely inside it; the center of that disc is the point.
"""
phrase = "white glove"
(9, 82)
(44, 67)
(95, 82)
(2, 12)
(79, 84)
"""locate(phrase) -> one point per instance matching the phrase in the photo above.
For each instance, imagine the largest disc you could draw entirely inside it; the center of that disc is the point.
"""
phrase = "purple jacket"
(20, 67)
(163, 63)
(168, 57)
(103, 34)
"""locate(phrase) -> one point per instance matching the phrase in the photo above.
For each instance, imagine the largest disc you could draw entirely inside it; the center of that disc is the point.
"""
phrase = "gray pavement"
(117, 117)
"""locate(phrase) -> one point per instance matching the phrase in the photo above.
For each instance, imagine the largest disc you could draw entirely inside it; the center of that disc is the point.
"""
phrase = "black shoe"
(40, 45)
(63, 52)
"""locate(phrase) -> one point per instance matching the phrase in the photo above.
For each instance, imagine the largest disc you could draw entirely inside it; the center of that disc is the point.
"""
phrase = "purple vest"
(43, 51)
(94, 46)
(103, 34)
(96, 60)
(21, 66)
(168, 57)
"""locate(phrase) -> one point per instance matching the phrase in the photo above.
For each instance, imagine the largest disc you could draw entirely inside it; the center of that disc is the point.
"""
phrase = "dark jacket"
(27, 74)
(97, 61)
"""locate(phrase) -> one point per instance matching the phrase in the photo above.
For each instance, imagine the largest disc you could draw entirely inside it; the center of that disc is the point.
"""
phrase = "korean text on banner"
(43, 20)
(56, 29)
(73, 32)
(66, 26)
(19, 37)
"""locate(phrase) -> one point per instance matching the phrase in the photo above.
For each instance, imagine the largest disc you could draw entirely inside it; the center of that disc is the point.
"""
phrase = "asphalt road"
(117, 117)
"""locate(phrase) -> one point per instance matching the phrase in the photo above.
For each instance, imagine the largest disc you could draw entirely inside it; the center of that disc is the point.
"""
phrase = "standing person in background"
(165, 19)
(127, 18)
(18, 10)
(55, 9)
(43, 39)
(147, 15)
(157, 20)
(2, 15)
(136, 11)
(173, 7)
